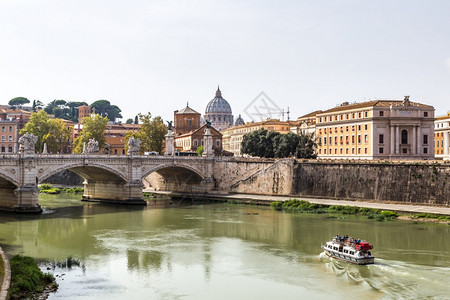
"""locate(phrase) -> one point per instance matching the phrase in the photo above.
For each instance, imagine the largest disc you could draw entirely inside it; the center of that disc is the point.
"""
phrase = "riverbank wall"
(384, 181)
(6, 276)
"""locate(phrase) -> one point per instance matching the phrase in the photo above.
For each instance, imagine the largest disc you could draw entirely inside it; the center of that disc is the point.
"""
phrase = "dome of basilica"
(218, 104)
(218, 111)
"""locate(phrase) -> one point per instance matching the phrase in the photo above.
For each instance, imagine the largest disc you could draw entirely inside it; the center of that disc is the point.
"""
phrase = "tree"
(129, 121)
(200, 150)
(136, 120)
(93, 128)
(50, 131)
(307, 146)
(259, 143)
(18, 101)
(151, 133)
(105, 109)
(286, 145)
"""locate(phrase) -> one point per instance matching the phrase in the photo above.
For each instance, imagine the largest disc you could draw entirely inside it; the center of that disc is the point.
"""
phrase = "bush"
(52, 191)
(45, 186)
(389, 214)
(26, 278)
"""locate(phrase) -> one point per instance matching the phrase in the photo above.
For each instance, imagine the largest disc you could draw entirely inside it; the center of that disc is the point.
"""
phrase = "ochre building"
(442, 137)
(378, 129)
(232, 137)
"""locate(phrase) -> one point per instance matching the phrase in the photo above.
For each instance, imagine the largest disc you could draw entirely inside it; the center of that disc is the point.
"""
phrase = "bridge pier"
(114, 192)
(27, 199)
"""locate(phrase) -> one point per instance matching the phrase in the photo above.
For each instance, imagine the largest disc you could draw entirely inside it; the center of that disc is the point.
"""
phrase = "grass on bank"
(27, 279)
(430, 216)
(305, 206)
(46, 188)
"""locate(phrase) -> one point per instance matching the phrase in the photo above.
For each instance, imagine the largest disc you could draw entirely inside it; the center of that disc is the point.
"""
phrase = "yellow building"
(232, 137)
(442, 137)
(378, 129)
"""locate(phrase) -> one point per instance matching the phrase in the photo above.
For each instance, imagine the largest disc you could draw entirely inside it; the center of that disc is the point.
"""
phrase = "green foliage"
(93, 128)
(129, 121)
(270, 144)
(18, 101)
(151, 134)
(53, 132)
(45, 186)
(26, 278)
(64, 109)
(431, 216)
(52, 191)
(305, 206)
(105, 109)
(306, 147)
(200, 150)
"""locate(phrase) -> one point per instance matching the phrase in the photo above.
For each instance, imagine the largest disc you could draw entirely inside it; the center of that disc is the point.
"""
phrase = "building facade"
(192, 140)
(442, 137)
(11, 122)
(305, 124)
(378, 129)
(186, 120)
(232, 137)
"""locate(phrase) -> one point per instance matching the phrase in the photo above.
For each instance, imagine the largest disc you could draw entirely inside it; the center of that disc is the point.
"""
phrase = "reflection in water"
(223, 251)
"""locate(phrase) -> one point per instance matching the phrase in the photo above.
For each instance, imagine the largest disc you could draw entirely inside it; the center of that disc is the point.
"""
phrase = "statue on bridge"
(92, 146)
(134, 146)
(27, 142)
(169, 125)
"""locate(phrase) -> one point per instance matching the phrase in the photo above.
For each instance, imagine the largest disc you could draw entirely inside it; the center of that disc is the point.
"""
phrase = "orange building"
(378, 129)
(442, 137)
(186, 120)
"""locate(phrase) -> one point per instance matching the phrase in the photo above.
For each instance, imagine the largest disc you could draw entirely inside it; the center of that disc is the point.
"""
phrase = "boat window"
(345, 251)
(352, 252)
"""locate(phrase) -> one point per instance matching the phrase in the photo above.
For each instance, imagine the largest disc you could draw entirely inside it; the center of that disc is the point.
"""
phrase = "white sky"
(157, 55)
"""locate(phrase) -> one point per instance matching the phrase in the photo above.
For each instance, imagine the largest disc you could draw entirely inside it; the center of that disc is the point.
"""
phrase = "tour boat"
(349, 249)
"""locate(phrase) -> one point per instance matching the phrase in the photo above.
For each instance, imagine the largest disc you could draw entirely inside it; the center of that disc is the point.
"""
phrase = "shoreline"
(267, 199)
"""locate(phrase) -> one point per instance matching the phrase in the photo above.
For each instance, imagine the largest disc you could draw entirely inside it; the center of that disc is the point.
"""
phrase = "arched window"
(404, 137)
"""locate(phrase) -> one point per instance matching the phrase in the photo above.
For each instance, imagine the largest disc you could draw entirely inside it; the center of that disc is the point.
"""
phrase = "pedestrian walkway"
(439, 210)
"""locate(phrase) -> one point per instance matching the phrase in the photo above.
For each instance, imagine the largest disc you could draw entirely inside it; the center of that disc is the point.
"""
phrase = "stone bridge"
(121, 178)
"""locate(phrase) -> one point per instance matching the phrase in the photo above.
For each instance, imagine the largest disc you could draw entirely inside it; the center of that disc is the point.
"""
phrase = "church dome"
(239, 121)
(218, 105)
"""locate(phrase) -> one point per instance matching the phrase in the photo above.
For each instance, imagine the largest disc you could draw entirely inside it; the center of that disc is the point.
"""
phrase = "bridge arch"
(172, 177)
(92, 171)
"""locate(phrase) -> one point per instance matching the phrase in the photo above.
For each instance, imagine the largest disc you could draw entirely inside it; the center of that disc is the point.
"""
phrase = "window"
(10, 138)
(218, 143)
(3, 148)
(3, 138)
(335, 150)
(381, 150)
(115, 151)
(381, 113)
(189, 122)
(346, 150)
(346, 128)
(359, 127)
(353, 139)
(359, 139)
(341, 150)
(320, 141)
(10, 149)
(425, 150)
(425, 114)
(353, 150)
(404, 137)
(366, 138)
(324, 140)
(195, 143)
(425, 139)
(365, 150)
(10, 128)
(203, 142)
(359, 115)
(381, 139)
(3, 128)
(320, 151)
(330, 140)
(359, 150)
(335, 140)
(366, 114)
(365, 127)
(324, 151)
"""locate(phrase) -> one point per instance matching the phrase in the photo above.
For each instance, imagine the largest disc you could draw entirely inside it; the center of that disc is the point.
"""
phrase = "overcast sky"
(154, 56)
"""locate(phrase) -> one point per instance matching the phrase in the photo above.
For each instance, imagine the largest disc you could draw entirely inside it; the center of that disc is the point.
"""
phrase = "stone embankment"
(6, 276)
(424, 182)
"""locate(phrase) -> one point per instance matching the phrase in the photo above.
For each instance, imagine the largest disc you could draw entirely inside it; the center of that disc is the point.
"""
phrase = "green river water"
(223, 251)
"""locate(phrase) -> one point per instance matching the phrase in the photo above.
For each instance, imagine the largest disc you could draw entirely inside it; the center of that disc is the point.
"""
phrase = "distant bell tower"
(83, 111)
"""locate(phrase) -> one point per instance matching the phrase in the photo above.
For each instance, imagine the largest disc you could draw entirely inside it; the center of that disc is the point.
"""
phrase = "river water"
(223, 251)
